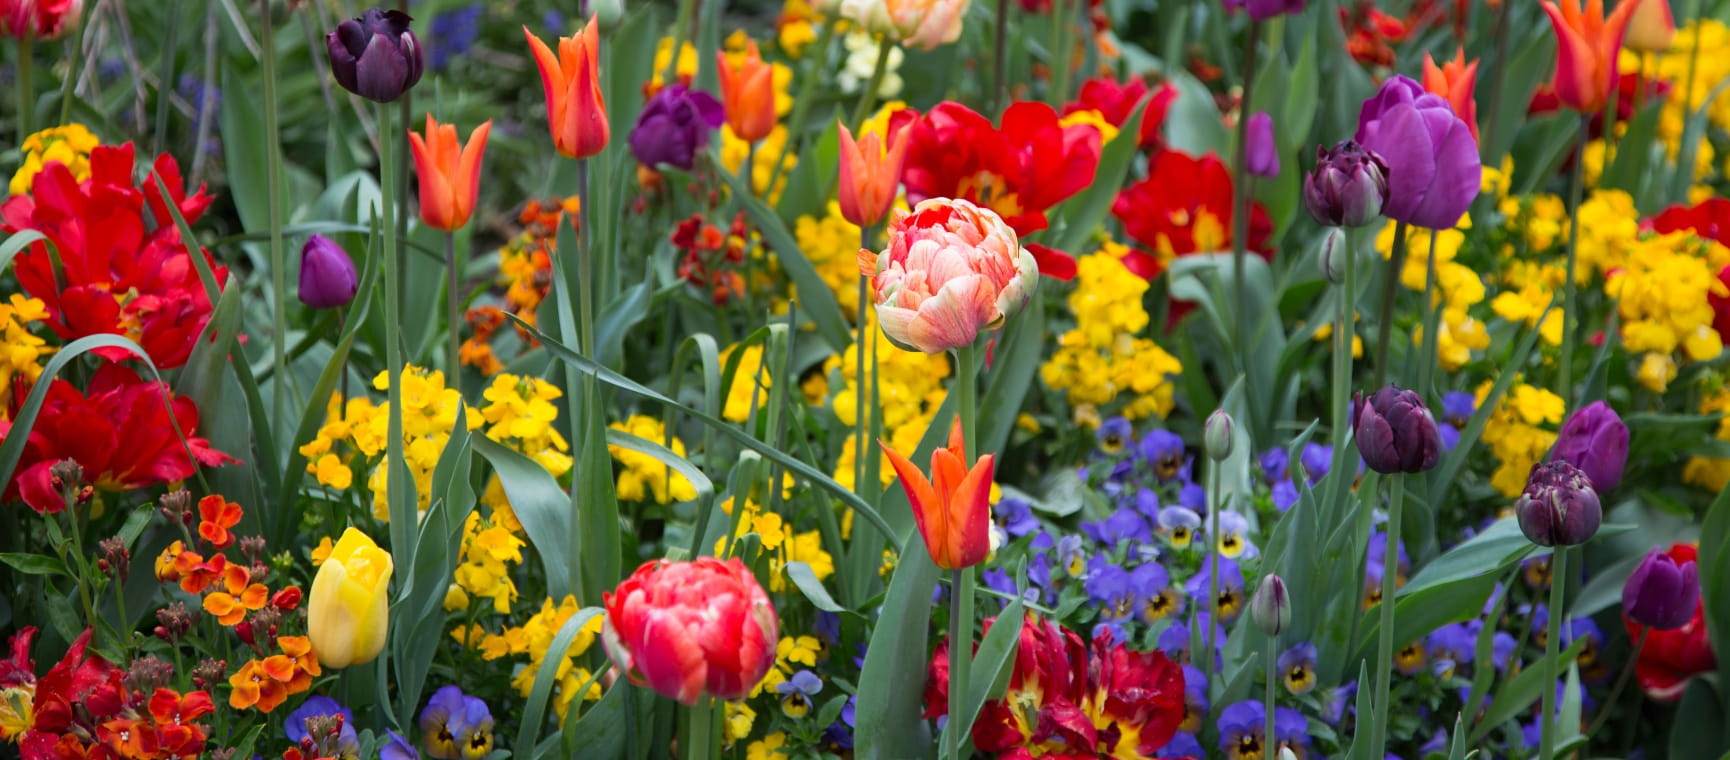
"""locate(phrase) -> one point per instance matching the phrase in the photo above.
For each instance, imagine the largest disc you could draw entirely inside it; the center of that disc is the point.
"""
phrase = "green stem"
(1432, 323)
(1390, 286)
(1267, 734)
(453, 298)
(74, 68)
(1496, 76)
(402, 521)
(966, 395)
(1385, 637)
(1240, 186)
(1343, 331)
(1062, 48)
(273, 190)
(960, 659)
(802, 104)
(700, 744)
(861, 444)
(868, 96)
(1570, 294)
(999, 63)
(165, 77)
(26, 88)
(1558, 584)
(1621, 683)
(1212, 565)
(80, 562)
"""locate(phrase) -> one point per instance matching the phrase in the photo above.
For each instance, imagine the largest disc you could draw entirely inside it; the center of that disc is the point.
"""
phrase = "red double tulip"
(576, 112)
(1672, 658)
(953, 507)
(691, 630)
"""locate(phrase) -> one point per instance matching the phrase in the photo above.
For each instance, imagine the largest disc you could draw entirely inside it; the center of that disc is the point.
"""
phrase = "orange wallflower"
(450, 173)
(748, 92)
(1587, 45)
(215, 516)
(576, 112)
(238, 597)
(267, 683)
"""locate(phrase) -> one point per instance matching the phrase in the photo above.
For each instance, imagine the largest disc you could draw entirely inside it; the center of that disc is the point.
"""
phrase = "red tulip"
(38, 19)
(870, 173)
(953, 508)
(1116, 101)
(1454, 81)
(691, 630)
(1672, 658)
(450, 172)
(576, 112)
(1587, 46)
(748, 92)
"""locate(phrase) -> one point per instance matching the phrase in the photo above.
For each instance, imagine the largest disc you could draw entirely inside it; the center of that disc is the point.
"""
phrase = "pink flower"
(926, 24)
(951, 270)
(691, 629)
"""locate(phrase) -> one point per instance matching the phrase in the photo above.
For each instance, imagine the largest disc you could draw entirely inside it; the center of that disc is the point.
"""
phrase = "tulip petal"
(920, 495)
(970, 514)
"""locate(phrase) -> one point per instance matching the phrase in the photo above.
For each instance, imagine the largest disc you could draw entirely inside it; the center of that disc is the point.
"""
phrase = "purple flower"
(1662, 593)
(1262, 10)
(1395, 432)
(1297, 668)
(376, 56)
(1072, 555)
(1113, 435)
(1240, 730)
(397, 748)
(1016, 517)
(455, 725)
(1284, 494)
(1274, 463)
(1113, 591)
(453, 32)
(1163, 450)
(1595, 440)
(1347, 188)
(319, 706)
(1450, 646)
(1559, 506)
(1261, 153)
(1195, 702)
(1182, 745)
(1179, 525)
(1502, 647)
(327, 276)
(1193, 496)
(1432, 158)
(796, 693)
(1458, 407)
(1449, 436)
(1233, 539)
(1316, 459)
(1230, 600)
(674, 125)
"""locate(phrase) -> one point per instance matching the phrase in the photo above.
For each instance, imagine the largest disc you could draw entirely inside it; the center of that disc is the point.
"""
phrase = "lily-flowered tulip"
(348, 611)
(870, 173)
(450, 172)
(953, 507)
(376, 56)
(691, 630)
(1432, 159)
(38, 19)
(748, 93)
(1652, 28)
(1587, 44)
(1454, 81)
(576, 112)
(926, 24)
(951, 271)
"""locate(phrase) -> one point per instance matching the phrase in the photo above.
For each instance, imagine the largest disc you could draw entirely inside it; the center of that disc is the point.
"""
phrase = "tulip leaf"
(542, 507)
(1193, 123)
(1603, 587)
(1491, 550)
(1714, 572)
(1419, 612)
(16, 243)
(1366, 712)
(1083, 213)
(1447, 472)
(886, 719)
(806, 580)
(546, 677)
(993, 661)
(617, 319)
(1699, 729)
(705, 488)
(814, 296)
(1517, 695)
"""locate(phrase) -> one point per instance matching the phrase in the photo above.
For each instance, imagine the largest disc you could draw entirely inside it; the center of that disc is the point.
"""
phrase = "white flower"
(862, 61)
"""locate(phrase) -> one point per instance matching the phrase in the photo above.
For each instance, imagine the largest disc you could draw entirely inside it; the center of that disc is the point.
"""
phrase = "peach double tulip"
(953, 508)
(1587, 45)
(926, 24)
(450, 172)
(870, 173)
(1454, 81)
(748, 94)
(576, 113)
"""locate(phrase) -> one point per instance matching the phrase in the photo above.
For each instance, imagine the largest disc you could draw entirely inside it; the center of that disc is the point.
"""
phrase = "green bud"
(1270, 608)
(1217, 435)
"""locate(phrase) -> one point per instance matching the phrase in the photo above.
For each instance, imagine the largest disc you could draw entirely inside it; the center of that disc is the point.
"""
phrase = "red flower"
(118, 275)
(19, 669)
(689, 630)
(1371, 34)
(1116, 101)
(1018, 170)
(120, 431)
(1628, 85)
(91, 683)
(174, 713)
(1671, 659)
(215, 516)
(1183, 207)
(1708, 219)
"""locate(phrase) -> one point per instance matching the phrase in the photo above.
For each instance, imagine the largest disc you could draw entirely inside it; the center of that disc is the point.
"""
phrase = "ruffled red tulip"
(1455, 81)
(1587, 46)
(953, 508)
(576, 112)
(1672, 658)
(1185, 206)
(870, 173)
(691, 630)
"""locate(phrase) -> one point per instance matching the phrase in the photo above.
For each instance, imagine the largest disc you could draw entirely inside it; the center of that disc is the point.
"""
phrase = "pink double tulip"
(690, 630)
(926, 24)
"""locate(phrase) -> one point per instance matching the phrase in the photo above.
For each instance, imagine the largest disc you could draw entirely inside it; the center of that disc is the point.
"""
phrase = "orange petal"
(927, 509)
(970, 514)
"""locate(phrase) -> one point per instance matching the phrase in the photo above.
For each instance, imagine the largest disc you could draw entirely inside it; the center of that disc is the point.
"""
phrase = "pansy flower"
(1113, 435)
(1179, 525)
(797, 693)
(1297, 668)
(1230, 599)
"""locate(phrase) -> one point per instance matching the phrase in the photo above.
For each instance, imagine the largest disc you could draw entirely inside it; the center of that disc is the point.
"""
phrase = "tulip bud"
(1661, 592)
(691, 630)
(1270, 608)
(608, 13)
(1261, 153)
(327, 276)
(1285, 753)
(1217, 435)
(1334, 256)
(348, 612)
(1651, 28)
(1348, 186)
(376, 56)
(1559, 507)
(1395, 432)
(1595, 440)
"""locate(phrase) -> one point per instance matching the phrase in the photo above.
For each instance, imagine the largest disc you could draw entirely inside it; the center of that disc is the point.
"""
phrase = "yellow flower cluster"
(1693, 66)
(1102, 361)
(780, 542)
(1661, 295)
(21, 351)
(533, 638)
(734, 151)
(745, 386)
(520, 414)
(909, 384)
(832, 244)
(1712, 473)
(643, 475)
(1458, 287)
(1529, 289)
(792, 653)
(1515, 434)
(69, 145)
(489, 548)
(1609, 225)
(796, 28)
(1540, 218)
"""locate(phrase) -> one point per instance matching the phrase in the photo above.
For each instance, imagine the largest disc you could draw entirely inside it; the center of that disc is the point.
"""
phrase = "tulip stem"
(966, 395)
(1390, 285)
(1240, 187)
(960, 658)
(1343, 333)
(453, 300)
(1553, 624)
(1432, 323)
(1212, 566)
(1496, 76)
(868, 97)
(1267, 735)
(1570, 294)
(1385, 637)
(1621, 682)
(273, 190)
(26, 86)
(699, 744)
(861, 441)
(999, 62)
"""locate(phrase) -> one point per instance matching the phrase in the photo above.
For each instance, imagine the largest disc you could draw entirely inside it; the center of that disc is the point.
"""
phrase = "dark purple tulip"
(1262, 10)
(1559, 507)
(1661, 593)
(674, 125)
(1261, 153)
(327, 276)
(1348, 186)
(1595, 440)
(375, 56)
(1431, 156)
(1395, 432)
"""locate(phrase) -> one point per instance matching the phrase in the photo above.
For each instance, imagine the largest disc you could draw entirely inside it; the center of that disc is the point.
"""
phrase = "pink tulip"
(952, 269)
(690, 630)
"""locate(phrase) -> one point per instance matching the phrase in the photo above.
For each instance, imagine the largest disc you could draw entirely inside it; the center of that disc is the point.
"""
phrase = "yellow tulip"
(348, 612)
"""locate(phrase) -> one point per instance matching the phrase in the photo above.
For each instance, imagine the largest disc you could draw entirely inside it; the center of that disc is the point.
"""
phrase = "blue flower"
(1072, 555)
(1458, 407)
(1122, 525)
(1194, 497)
(840, 733)
(1182, 745)
(1163, 451)
(1340, 703)
(1452, 645)
(397, 748)
(1285, 494)
(1113, 435)
(827, 627)
(1316, 459)
(1233, 540)
(1592, 665)
(1112, 589)
(1230, 601)
(452, 33)
(1016, 517)
(1154, 592)
(1195, 702)
(796, 693)
(1147, 503)
(1502, 648)
(1174, 642)
(1297, 668)
(318, 706)
(1274, 465)
(1179, 525)
(1240, 731)
(1450, 436)
(455, 726)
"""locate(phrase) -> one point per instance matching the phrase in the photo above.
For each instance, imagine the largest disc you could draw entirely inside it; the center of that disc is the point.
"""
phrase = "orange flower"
(953, 509)
(748, 92)
(1652, 27)
(1587, 44)
(168, 563)
(869, 174)
(576, 113)
(252, 687)
(196, 575)
(266, 683)
(1454, 81)
(450, 174)
(215, 516)
(239, 597)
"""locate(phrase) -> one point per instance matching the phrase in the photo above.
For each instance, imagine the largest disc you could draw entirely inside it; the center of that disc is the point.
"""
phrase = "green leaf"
(1487, 553)
(1082, 214)
(806, 581)
(595, 504)
(34, 564)
(705, 488)
(1517, 695)
(886, 719)
(992, 662)
(535, 709)
(16, 243)
(1699, 728)
(1193, 123)
(815, 298)
(542, 507)
(1714, 564)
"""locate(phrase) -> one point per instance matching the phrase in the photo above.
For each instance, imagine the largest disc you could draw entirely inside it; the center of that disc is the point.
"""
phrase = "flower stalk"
(1240, 187)
(868, 96)
(1553, 627)
(1385, 636)
(1390, 286)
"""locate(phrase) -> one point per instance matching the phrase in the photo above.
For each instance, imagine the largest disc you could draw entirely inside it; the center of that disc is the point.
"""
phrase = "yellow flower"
(1518, 432)
(1092, 118)
(1656, 371)
(321, 552)
(687, 68)
(737, 723)
(1102, 361)
(644, 474)
(348, 610)
(17, 713)
(734, 151)
(69, 145)
(797, 650)
(745, 386)
(767, 748)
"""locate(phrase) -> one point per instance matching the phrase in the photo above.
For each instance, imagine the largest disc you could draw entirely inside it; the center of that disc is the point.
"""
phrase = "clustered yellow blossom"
(1609, 225)
(520, 414)
(643, 476)
(734, 151)
(781, 543)
(489, 548)
(909, 385)
(1541, 219)
(21, 351)
(796, 28)
(1458, 287)
(1530, 290)
(533, 638)
(1694, 65)
(69, 145)
(748, 384)
(1712, 473)
(1661, 295)
(832, 244)
(1519, 432)
(792, 653)
(687, 68)
(1102, 361)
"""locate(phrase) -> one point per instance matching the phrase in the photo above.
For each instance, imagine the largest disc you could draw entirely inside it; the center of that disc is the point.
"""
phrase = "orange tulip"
(1652, 27)
(450, 173)
(953, 509)
(1454, 81)
(870, 174)
(576, 113)
(748, 91)
(1587, 44)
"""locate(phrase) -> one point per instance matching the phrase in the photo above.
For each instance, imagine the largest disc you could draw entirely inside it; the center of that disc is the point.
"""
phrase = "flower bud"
(1335, 254)
(327, 276)
(1270, 608)
(1395, 432)
(1217, 435)
(1261, 152)
(608, 13)
(1559, 507)
(1661, 593)
(1595, 440)
(1347, 187)
(348, 608)
(376, 56)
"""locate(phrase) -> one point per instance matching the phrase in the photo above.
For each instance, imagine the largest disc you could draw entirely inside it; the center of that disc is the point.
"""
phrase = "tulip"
(1454, 82)
(397, 748)
(1587, 44)
(1348, 187)
(1432, 160)
(1395, 432)
(576, 113)
(953, 508)
(952, 270)
(1216, 435)
(1671, 658)
(38, 19)
(925, 24)
(869, 174)
(376, 56)
(748, 90)
(1662, 592)
(1270, 608)
(1262, 10)
(348, 611)
(450, 173)
(1558, 507)
(1261, 153)
(1333, 258)
(1651, 28)
(1595, 440)
(690, 630)
(327, 276)
(673, 126)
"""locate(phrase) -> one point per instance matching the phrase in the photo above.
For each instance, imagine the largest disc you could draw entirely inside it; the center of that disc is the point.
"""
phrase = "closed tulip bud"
(1559, 507)
(1652, 28)
(1334, 254)
(1270, 608)
(1395, 432)
(1431, 156)
(1661, 593)
(1216, 434)
(348, 610)
(609, 13)
(1348, 186)
(376, 56)
(327, 276)
(1261, 152)
(1595, 440)
(691, 630)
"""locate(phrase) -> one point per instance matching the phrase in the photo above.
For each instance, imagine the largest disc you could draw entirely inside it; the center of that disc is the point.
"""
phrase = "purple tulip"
(1261, 153)
(674, 125)
(1431, 156)
(1395, 432)
(1595, 440)
(1262, 10)
(1348, 187)
(1661, 593)
(1559, 507)
(327, 276)
(376, 56)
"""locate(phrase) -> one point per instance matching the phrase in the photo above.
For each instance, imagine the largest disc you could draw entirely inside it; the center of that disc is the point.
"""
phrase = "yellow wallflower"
(643, 475)
(832, 245)
(1712, 473)
(745, 385)
(1101, 361)
(1519, 432)
(734, 151)
(1661, 293)
(21, 351)
(69, 145)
